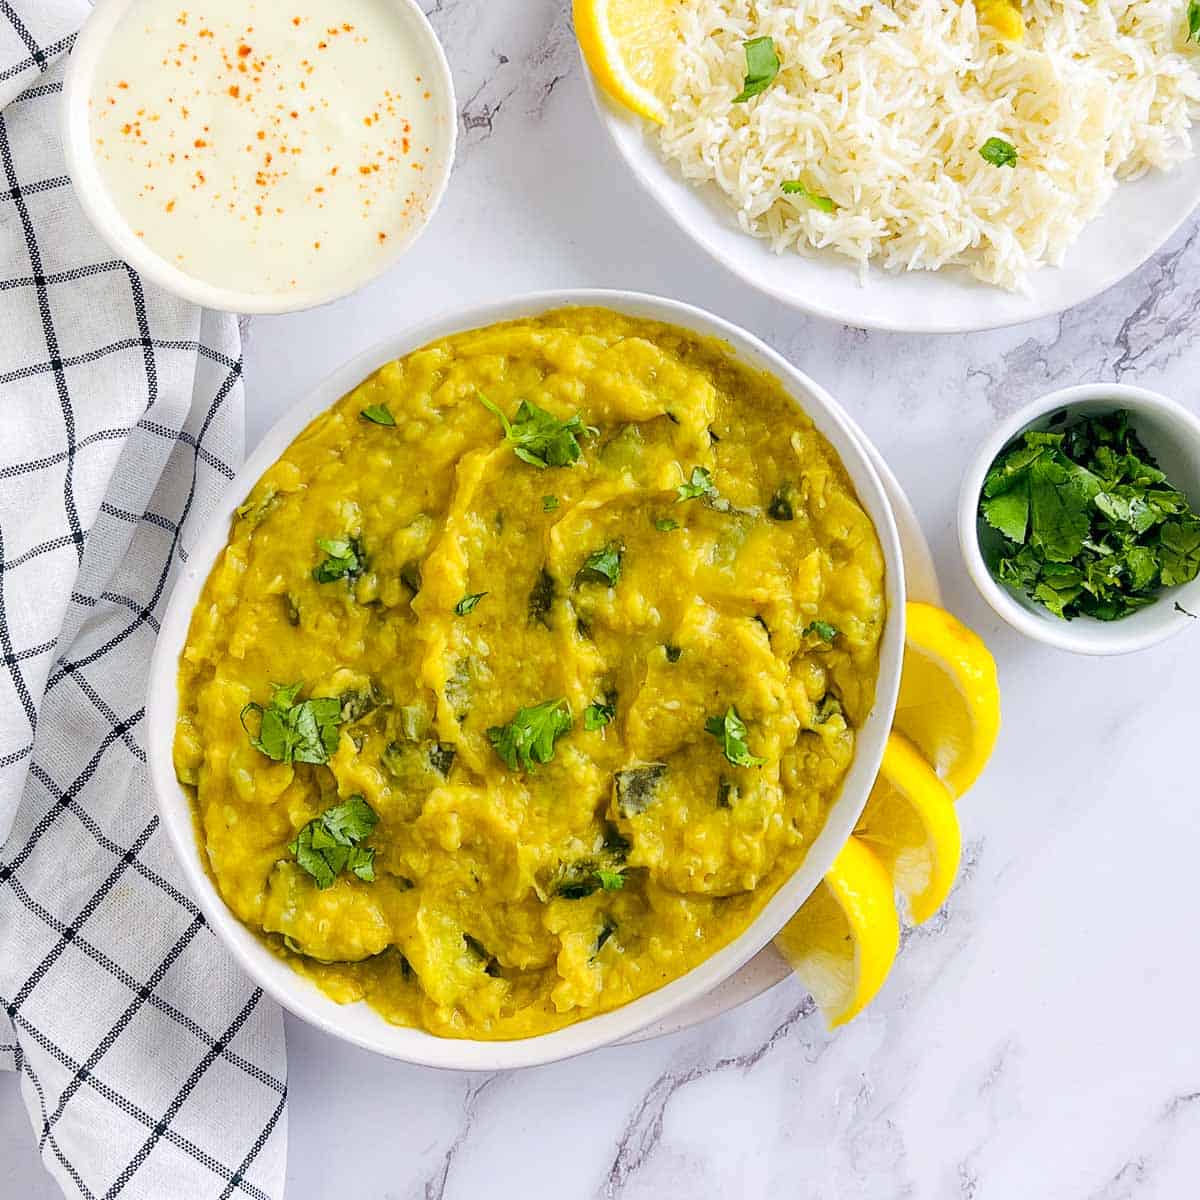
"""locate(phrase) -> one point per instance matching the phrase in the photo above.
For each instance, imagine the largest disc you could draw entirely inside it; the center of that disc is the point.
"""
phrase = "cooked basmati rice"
(883, 107)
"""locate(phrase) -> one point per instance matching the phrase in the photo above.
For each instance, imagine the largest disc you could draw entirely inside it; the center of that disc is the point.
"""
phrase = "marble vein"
(435, 1186)
(644, 1130)
(1144, 1162)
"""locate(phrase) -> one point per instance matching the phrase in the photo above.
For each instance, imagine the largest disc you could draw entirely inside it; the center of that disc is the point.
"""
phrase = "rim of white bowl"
(106, 218)
(358, 1024)
(1083, 635)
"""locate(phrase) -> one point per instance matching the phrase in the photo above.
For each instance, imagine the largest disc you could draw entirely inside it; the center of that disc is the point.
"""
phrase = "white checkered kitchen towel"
(149, 1065)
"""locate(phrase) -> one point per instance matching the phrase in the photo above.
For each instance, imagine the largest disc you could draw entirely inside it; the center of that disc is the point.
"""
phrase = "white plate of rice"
(883, 108)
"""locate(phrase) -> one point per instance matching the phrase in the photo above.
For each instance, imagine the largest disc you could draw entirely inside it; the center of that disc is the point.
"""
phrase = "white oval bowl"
(1135, 222)
(111, 225)
(1172, 435)
(361, 1025)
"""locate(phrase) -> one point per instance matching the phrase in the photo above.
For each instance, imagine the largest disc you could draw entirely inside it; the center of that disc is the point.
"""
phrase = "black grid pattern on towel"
(59, 811)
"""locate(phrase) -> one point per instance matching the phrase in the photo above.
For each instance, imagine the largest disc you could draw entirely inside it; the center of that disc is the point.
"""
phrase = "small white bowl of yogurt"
(259, 156)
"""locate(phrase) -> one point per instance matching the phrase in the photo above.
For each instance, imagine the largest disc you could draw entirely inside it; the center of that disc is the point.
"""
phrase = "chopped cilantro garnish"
(998, 152)
(344, 559)
(603, 868)
(549, 503)
(379, 414)
(1179, 551)
(794, 187)
(602, 566)
(539, 437)
(290, 732)
(467, 603)
(665, 524)
(762, 65)
(600, 713)
(700, 484)
(582, 881)
(730, 731)
(329, 844)
(530, 736)
(821, 629)
(1085, 522)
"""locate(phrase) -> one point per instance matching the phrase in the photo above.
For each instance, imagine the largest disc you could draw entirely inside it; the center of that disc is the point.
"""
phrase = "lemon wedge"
(844, 939)
(949, 705)
(910, 824)
(630, 47)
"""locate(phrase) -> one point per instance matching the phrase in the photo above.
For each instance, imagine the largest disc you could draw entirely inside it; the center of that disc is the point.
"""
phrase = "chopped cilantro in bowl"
(1075, 531)
(1088, 524)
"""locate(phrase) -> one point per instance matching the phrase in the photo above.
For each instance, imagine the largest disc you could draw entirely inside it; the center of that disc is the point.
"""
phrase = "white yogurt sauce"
(267, 146)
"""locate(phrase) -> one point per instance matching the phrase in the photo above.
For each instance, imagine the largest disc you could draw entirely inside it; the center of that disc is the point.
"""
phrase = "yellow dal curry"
(496, 745)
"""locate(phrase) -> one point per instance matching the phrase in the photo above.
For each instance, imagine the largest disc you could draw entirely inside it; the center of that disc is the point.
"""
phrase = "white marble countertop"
(1037, 1038)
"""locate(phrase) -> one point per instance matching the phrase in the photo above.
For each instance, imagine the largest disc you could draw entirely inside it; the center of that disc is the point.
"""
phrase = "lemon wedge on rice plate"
(630, 48)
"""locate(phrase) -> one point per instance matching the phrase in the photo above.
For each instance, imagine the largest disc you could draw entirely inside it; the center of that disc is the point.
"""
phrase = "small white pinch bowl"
(363, 1026)
(111, 224)
(1172, 435)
